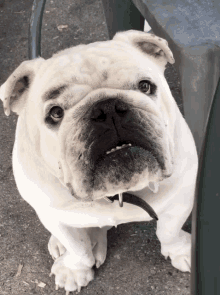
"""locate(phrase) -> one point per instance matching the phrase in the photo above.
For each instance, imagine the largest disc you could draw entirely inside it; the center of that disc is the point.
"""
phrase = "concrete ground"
(134, 264)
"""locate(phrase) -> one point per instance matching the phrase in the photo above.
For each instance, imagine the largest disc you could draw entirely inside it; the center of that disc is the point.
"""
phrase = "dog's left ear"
(148, 43)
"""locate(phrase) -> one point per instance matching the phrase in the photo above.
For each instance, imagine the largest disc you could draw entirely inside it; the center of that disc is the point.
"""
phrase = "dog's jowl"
(99, 135)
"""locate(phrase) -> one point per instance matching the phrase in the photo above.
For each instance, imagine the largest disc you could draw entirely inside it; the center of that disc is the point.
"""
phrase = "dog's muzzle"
(115, 147)
(118, 128)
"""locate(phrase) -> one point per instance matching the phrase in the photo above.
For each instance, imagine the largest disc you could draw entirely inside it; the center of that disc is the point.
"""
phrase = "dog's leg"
(81, 248)
(98, 238)
(175, 242)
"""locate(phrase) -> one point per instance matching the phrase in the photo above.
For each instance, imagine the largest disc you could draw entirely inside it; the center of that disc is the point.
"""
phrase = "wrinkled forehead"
(95, 64)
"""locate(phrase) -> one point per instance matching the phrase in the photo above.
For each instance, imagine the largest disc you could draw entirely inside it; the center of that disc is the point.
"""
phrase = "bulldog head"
(101, 116)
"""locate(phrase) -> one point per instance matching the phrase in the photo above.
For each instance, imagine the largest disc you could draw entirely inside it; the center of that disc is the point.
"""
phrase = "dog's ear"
(148, 43)
(14, 91)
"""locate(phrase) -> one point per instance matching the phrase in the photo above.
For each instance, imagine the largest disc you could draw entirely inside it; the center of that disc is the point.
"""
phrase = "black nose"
(109, 112)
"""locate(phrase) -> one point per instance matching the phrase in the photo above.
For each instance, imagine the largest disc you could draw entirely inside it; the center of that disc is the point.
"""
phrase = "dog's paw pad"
(70, 280)
(182, 262)
(56, 249)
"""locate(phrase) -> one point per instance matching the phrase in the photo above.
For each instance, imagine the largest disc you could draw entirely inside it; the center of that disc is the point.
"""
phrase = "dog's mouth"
(125, 151)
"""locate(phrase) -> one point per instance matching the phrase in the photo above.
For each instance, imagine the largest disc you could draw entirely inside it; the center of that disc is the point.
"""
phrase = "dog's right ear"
(14, 91)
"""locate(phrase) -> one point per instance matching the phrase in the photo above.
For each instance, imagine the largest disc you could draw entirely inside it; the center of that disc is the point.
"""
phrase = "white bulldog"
(96, 121)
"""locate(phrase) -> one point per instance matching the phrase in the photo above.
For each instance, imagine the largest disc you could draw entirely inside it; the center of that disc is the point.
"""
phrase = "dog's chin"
(125, 169)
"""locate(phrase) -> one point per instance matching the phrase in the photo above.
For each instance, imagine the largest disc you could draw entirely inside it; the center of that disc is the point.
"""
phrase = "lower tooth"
(118, 148)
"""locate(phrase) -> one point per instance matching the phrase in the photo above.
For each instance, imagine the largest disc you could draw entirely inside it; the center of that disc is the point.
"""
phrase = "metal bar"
(205, 272)
(122, 15)
(34, 33)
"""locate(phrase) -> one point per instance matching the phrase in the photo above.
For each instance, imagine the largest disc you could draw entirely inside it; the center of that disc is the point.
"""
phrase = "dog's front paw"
(70, 279)
(179, 251)
(56, 249)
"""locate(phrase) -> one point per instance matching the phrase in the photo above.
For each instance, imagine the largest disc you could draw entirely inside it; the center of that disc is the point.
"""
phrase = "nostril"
(98, 116)
(102, 110)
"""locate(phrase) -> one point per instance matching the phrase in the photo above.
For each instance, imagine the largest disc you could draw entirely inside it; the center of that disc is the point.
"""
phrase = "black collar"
(132, 199)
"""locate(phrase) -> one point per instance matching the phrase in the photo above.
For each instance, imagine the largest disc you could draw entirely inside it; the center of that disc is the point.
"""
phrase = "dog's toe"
(99, 241)
(56, 249)
(99, 252)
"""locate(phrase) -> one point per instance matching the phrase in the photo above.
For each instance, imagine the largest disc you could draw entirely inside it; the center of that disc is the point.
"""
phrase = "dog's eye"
(145, 86)
(56, 113)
